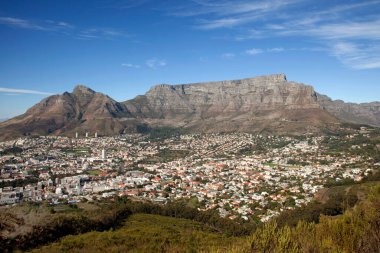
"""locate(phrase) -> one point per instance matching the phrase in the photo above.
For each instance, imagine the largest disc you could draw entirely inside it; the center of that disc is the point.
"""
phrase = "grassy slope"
(357, 230)
(151, 233)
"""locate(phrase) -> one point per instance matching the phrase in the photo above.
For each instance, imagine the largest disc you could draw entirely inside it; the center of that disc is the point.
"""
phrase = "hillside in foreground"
(356, 230)
(150, 233)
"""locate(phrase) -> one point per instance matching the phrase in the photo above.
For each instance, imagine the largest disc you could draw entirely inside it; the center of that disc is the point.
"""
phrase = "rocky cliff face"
(262, 104)
(254, 104)
(206, 99)
(365, 113)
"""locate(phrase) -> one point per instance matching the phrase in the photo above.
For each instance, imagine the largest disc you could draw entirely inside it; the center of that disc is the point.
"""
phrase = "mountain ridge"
(269, 104)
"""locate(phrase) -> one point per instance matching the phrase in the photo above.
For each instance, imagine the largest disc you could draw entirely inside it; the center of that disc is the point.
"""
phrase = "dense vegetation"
(110, 215)
(149, 233)
(361, 145)
(357, 230)
(11, 151)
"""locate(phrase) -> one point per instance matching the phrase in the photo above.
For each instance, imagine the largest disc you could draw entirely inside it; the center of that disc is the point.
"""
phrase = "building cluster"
(241, 175)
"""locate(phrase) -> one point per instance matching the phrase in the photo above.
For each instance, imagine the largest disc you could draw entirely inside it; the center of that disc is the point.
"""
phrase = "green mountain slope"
(151, 233)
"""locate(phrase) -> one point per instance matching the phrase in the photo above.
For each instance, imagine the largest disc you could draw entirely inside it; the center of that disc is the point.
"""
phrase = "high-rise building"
(96, 134)
(76, 135)
(86, 134)
(104, 155)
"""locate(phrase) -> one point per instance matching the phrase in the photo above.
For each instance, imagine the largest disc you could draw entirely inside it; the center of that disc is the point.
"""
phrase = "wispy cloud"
(343, 30)
(351, 42)
(356, 56)
(20, 23)
(63, 28)
(130, 65)
(228, 56)
(333, 25)
(101, 33)
(275, 49)
(46, 25)
(155, 63)
(228, 14)
(254, 51)
(126, 4)
(22, 91)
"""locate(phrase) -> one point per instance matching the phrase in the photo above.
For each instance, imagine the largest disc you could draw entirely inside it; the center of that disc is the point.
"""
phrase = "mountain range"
(265, 104)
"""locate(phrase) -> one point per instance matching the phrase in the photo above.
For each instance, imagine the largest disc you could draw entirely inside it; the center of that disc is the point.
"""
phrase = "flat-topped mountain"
(206, 99)
(268, 104)
(265, 103)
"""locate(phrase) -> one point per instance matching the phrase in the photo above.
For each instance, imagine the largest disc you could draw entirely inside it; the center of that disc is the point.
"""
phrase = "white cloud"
(221, 23)
(22, 91)
(254, 51)
(357, 56)
(275, 49)
(125, 4)
(352, 43)
(20, 23)
(230, 13)
(63, 28)
(100, 33)
(228, 55)
(130, 65)
(355, 23)
(47, 25)
(344, 30)
(154, 63)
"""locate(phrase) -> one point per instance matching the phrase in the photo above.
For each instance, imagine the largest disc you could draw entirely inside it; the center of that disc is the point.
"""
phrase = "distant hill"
(364, 113)
(265, 104)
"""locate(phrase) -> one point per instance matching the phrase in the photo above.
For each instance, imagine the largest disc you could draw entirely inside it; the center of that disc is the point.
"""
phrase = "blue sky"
(122, 48)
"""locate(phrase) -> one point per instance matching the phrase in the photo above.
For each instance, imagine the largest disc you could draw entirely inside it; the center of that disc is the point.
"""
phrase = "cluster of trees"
(11, 151)
(337, 203)
(297, 162)
(19, 182)
(368, 146)
(162, 133)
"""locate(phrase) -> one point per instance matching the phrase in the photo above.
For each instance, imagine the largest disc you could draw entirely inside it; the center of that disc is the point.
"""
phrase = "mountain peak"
(82, 89)
(279, 77)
